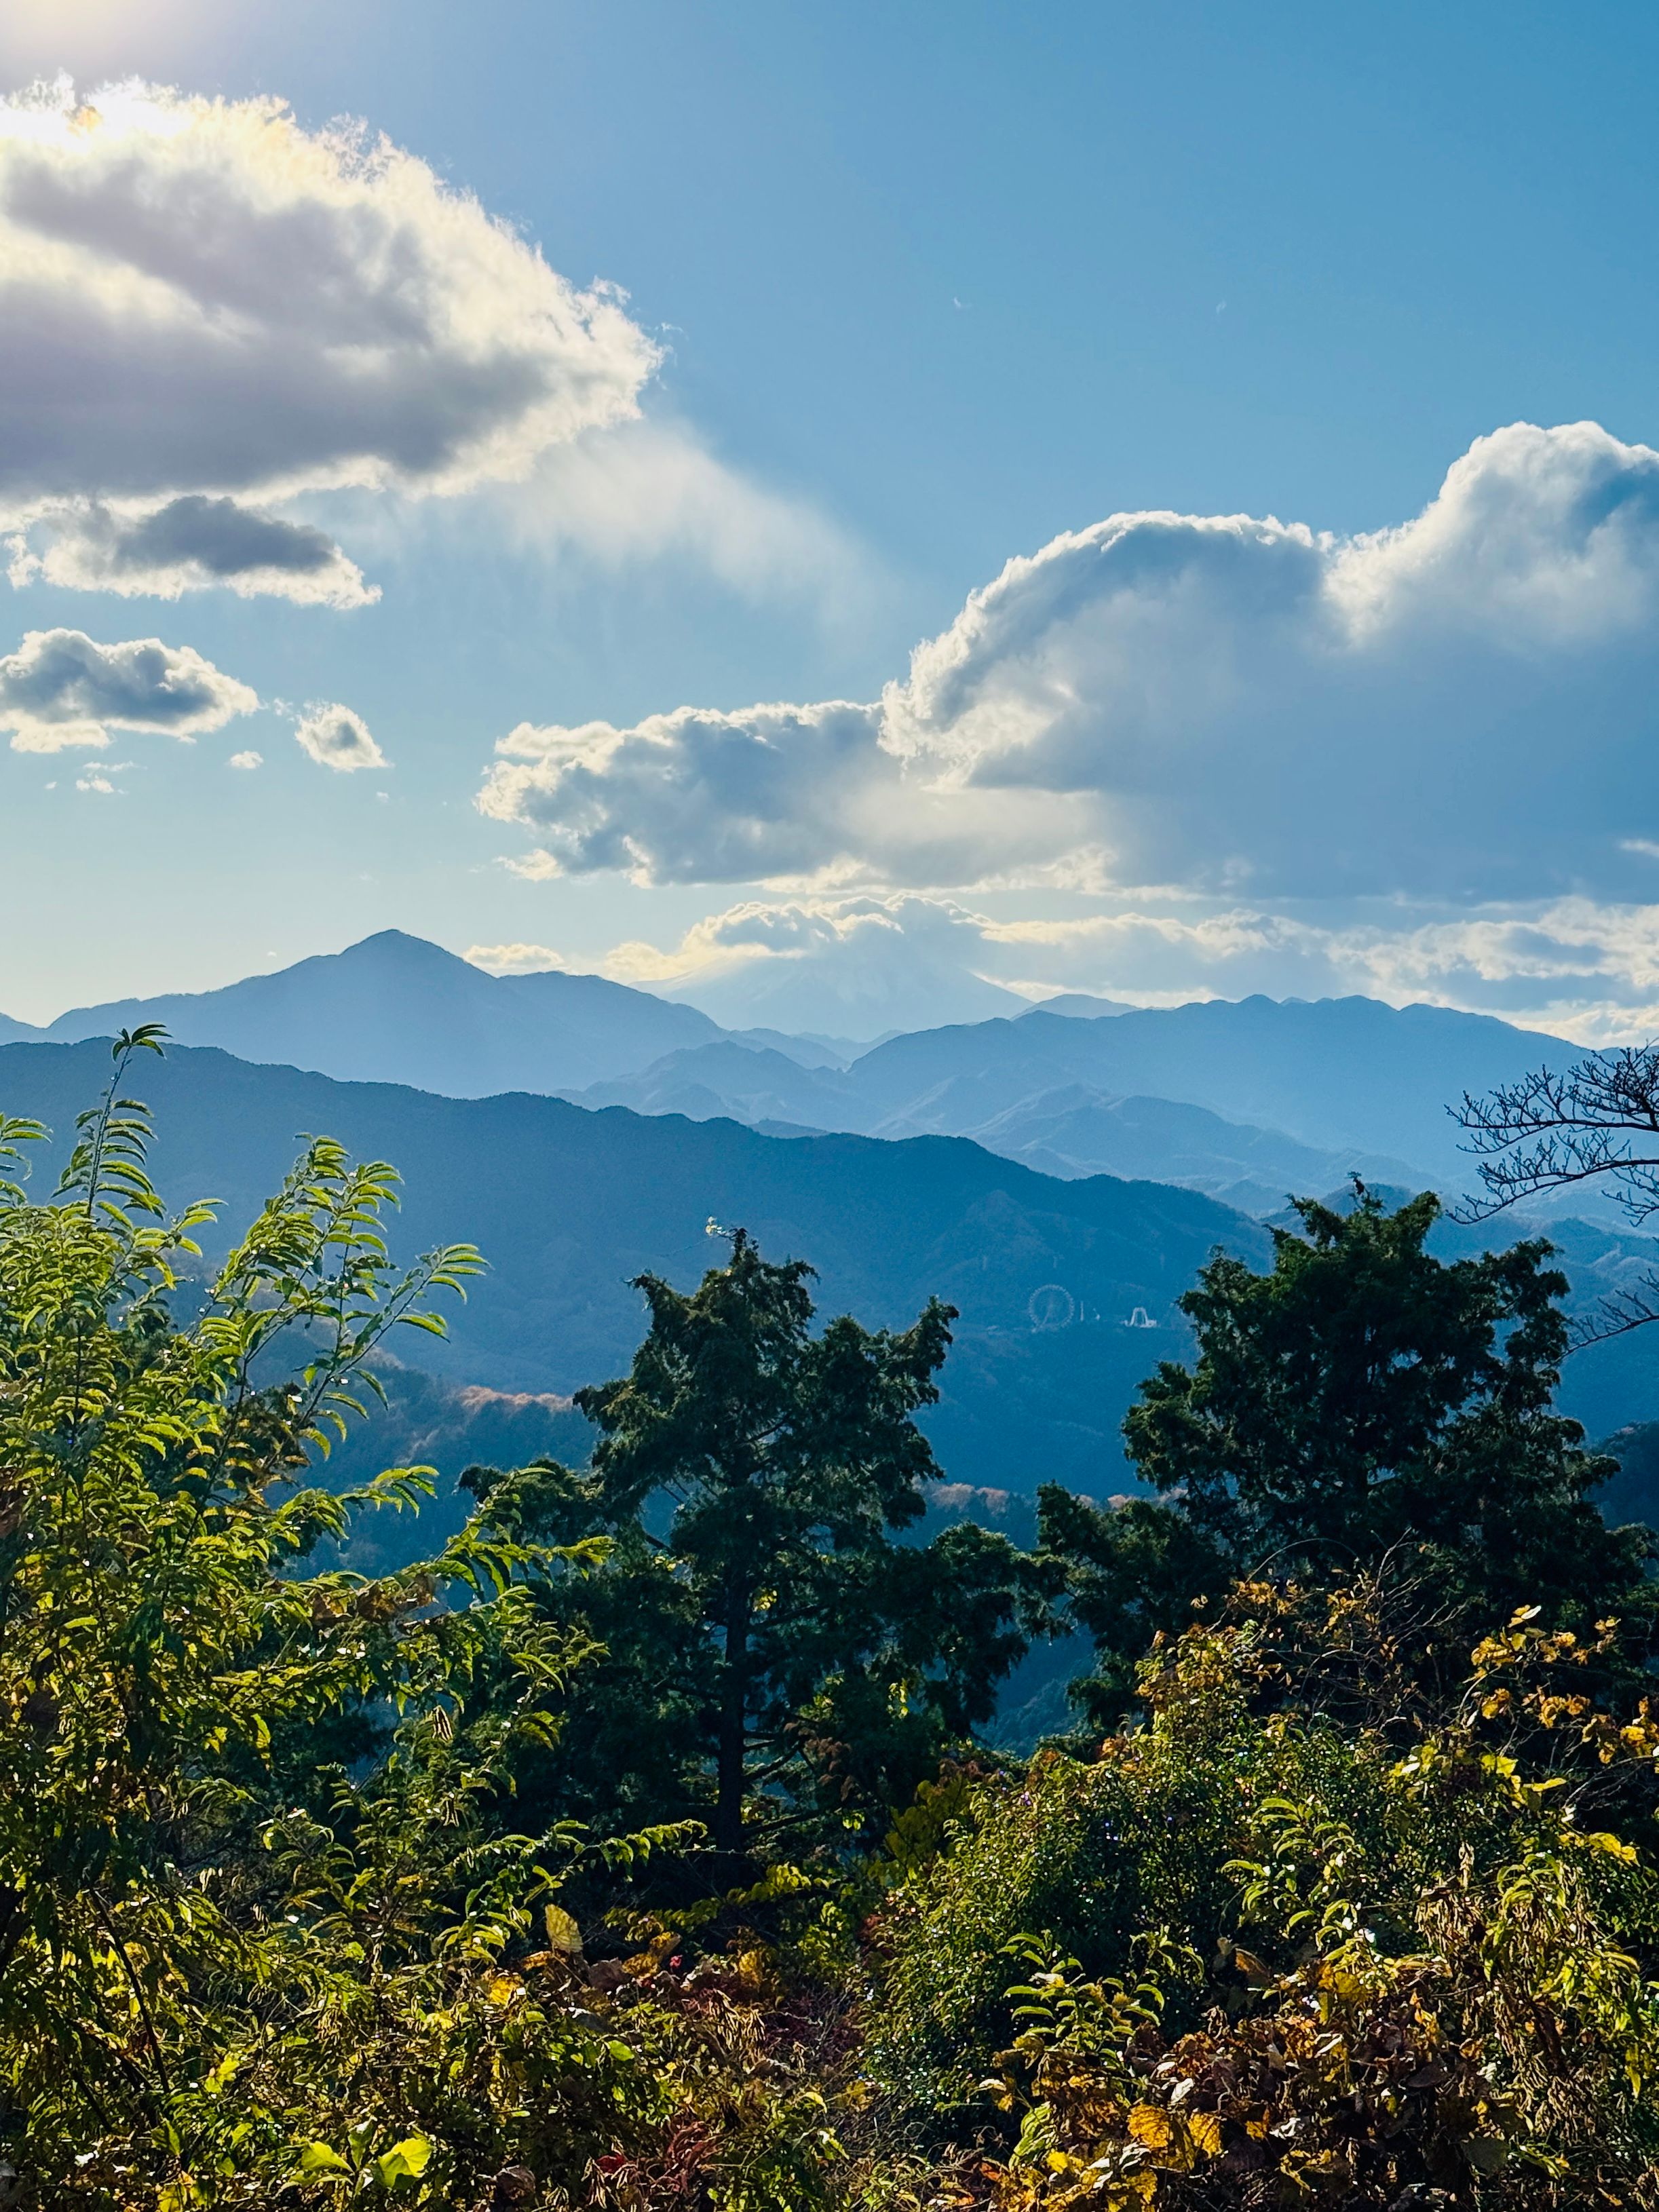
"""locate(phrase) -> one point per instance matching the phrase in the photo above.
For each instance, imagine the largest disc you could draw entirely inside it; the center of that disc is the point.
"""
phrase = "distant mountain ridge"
(1082, 1004)
(1076, 1131)
(1349, 1071)
(1297, 1093)
(396, 1009)
(1227, 1095)
(568, 1205)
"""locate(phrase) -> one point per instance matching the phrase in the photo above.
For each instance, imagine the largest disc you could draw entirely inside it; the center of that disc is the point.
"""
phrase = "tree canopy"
(248, 1889)
(1361, 1401)
(781, 1658)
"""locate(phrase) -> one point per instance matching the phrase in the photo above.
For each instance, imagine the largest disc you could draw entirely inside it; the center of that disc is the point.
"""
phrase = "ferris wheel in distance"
(1051, 1305)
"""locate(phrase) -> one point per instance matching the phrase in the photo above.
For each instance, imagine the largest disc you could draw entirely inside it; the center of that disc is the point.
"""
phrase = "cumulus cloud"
(204, 308)
(248, 760)
(189, 544)
(906, 960)
(770, 795)
(334, 736)
(852, 968)
(513, 959)
(1462, 708)
(61, 689)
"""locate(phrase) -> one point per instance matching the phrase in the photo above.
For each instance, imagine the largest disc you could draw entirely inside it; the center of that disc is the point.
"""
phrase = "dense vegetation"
(637, 1849)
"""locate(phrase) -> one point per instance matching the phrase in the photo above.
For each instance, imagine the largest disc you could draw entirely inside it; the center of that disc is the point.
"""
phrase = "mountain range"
(1313, 1089)
(395, 1009)
(1243, 1101)
(1066, 1287)
(570, 1204)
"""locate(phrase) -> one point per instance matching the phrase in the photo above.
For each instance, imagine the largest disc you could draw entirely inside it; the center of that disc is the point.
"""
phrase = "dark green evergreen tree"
(1361, 1402)
(778, 1655)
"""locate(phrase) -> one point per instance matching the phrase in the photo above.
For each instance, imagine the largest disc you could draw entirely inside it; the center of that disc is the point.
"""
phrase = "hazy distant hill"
(1083, 1004)
(428, 1420)
(1301, 1092)
(1330, 1073)
(396, 1009)
(570, 1204)
(1253, 1092)
(1633, 1492)
(1069, 1129)
(750, 1085)
(1076, 1131)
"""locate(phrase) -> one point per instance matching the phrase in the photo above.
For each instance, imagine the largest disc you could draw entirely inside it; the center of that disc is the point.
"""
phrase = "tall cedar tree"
(799, 1653)
(1361, 1401)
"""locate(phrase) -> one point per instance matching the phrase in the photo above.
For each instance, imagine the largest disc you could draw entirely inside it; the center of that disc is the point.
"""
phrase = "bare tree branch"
(1598, 1122)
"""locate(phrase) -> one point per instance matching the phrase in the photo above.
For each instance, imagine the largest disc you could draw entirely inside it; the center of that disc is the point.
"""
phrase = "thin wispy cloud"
(1576, 966)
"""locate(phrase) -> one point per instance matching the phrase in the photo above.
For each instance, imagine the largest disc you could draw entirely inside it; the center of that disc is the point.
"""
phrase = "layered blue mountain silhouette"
(1242, 1100)
(1053, 1176)
(1361, 1085)
(568, 1205)
(395, 1009)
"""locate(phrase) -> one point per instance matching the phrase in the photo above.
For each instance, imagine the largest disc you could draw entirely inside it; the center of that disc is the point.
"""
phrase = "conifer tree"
(1362, 1402)
(806, 1663)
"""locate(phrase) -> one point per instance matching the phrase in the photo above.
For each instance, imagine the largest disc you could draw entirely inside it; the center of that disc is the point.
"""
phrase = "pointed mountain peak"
(397, 948)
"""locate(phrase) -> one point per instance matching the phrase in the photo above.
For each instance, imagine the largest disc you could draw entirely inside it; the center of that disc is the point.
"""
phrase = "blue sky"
(925, 288)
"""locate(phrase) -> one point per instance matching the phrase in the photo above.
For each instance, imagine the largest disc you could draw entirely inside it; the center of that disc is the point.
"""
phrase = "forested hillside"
(1242, 1100)
(571, 1205)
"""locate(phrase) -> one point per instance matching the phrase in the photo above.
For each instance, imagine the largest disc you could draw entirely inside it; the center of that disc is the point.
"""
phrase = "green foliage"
(777, 1658)
(1361, 1402)
(1402, 1969)
(252, 1888)
(1085, 1857)
(298, 1866)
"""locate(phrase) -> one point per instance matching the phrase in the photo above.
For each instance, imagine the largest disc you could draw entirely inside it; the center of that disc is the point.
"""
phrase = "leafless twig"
(1598, 1123)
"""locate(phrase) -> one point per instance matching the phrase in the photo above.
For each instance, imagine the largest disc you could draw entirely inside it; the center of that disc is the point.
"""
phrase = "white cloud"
(649, 488)
(1572, 966)
(1585, 969)
(334, 736)
(852, 967)
(248, 760)
(513, 959)
(189, 544)
(61, 689)
(1550, 536)
(204, 308)
(774, 795)
(1463, 708)
(904, 960)
(858, 966)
